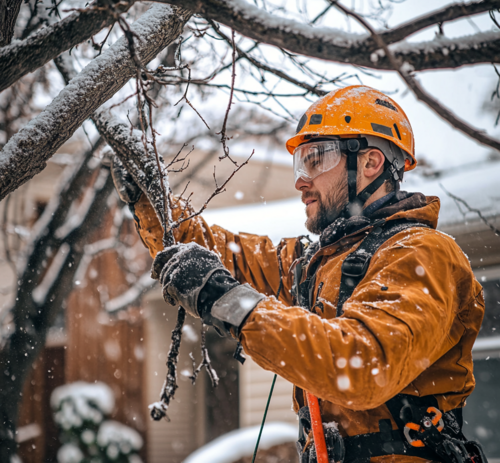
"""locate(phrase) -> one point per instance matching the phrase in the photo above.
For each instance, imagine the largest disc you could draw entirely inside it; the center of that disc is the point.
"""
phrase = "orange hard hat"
(353, 111)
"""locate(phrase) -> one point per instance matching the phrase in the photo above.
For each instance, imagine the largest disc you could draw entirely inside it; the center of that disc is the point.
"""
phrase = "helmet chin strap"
(356, 201)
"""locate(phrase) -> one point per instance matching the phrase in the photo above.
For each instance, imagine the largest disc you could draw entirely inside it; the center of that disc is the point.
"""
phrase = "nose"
(302, 183)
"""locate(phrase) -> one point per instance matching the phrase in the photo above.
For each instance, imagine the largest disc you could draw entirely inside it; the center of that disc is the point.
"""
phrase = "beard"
(328, 208)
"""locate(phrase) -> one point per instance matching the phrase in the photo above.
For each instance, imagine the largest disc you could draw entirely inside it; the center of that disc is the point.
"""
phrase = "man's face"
(325, 197)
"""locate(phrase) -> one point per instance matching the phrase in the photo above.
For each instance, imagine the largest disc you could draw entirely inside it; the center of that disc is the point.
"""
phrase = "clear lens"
(313, 159)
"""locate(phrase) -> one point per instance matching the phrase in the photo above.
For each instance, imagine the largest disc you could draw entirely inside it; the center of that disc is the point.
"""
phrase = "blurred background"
(114, 328)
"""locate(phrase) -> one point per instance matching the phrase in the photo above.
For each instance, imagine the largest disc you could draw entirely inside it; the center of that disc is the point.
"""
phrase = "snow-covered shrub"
(80, 411)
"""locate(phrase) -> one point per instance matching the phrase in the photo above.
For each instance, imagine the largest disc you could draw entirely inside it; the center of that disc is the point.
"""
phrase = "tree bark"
(21, 58)
(9, 10)
(339, 46)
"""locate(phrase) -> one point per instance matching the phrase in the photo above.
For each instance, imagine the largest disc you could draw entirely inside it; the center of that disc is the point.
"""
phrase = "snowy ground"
(241, 443)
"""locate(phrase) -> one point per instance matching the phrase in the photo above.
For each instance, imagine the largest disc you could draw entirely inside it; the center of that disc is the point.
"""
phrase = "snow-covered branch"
(27, 152)
(129, 147)
(447, 13)
(132, 295)
(21, 58)
(335, 45)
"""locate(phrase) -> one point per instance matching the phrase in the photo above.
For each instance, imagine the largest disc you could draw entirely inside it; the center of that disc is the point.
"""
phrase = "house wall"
(255, 385)
(171, 442)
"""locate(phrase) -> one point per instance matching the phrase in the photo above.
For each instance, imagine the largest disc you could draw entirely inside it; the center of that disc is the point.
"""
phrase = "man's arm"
(385, 339)
(250, 258)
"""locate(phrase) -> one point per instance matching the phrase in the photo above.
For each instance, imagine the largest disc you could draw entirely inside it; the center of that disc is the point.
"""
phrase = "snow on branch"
(339, 46)
(130, 148)
(447, 13)
(23, 57)
(27, 152)
(132, 295)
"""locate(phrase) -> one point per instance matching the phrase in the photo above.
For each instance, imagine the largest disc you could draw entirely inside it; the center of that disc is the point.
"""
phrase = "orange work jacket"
(415, 337)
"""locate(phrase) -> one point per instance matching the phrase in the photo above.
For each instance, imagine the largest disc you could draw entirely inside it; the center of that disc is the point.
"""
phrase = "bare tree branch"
(459, 201)
(310, 88)
(133, 295)
(21, 58)
(447, 13)
(27, 152)
(404, 70)
(338, 46)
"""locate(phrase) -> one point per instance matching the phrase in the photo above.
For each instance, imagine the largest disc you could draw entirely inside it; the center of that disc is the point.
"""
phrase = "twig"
(496, 92)
(265, 67)
(159, 409)
(222, 133)
(205, 362)
(471, 209)
(185, 98)
(218, 190)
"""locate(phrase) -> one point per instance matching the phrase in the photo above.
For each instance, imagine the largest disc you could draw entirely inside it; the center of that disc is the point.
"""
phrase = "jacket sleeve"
(386, 337)
(250, 258)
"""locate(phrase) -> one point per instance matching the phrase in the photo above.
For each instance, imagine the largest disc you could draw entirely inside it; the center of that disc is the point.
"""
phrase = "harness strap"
(360, 448)
(356, 264)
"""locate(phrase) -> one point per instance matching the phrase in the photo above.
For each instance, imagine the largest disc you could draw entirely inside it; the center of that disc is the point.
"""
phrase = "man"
(377, 319)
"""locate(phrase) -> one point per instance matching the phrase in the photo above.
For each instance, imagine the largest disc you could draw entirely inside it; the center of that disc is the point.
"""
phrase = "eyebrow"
(311, 155)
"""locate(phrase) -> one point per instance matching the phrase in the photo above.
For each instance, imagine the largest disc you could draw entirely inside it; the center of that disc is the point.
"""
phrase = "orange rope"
(317, 428)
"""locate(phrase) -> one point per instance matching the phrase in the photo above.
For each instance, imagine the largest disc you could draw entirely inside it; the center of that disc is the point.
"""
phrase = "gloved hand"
(125, 185)
(195, 278)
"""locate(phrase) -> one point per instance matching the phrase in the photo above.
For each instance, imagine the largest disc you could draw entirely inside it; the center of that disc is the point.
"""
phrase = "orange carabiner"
(413, 427)
(437, 421)
(438, 418)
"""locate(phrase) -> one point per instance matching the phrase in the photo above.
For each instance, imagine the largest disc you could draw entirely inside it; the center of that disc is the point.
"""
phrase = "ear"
(373, 163)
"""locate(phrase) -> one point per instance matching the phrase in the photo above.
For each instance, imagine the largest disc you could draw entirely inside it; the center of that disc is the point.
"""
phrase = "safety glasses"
(313, 159)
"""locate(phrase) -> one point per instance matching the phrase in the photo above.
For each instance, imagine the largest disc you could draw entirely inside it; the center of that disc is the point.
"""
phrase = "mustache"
(309, 195)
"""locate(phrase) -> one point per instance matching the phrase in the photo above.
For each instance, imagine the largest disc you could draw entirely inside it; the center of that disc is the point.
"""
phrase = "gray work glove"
(125, 185)
(195, 278)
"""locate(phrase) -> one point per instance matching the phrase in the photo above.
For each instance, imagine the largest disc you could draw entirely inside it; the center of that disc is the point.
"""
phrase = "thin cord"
(264, 418)
(280, 267)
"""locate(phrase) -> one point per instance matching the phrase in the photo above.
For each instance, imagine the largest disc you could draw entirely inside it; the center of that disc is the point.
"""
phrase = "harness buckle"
(425, 424)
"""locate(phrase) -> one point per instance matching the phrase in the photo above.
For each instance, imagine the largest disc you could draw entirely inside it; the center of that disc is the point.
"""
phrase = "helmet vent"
(396, 128)
(301, 123)
(316, 119)
(382, 129)
(348, 119)
(386, 104)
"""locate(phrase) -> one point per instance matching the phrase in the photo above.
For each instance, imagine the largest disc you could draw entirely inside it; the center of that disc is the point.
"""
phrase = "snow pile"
(81, 402)
(69, 453)
(241, 443)
(118, 438)
(80, 410)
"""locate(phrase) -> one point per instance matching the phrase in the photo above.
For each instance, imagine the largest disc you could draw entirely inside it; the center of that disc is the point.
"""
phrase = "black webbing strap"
(360, 448)
(403, 408)
(356, 264)
(352, 175)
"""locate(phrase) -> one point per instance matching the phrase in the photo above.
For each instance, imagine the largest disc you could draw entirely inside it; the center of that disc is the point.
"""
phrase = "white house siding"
(255, 384)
